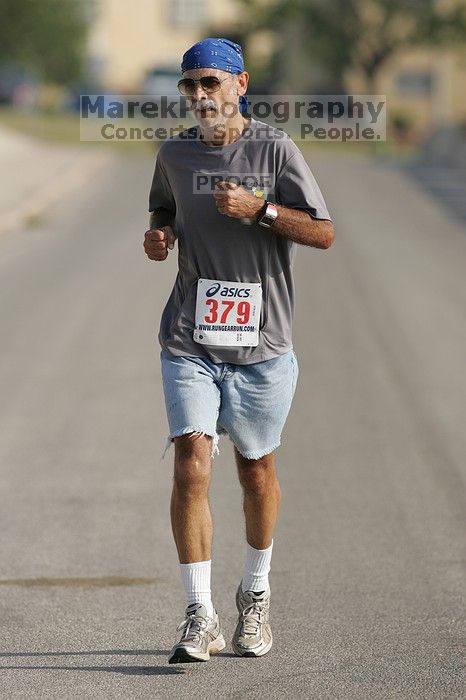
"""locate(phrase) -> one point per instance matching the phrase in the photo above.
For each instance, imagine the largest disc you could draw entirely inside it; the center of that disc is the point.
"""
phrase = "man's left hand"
(233, 200)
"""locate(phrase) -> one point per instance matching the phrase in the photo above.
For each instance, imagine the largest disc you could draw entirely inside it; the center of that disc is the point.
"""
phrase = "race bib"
(227, 313)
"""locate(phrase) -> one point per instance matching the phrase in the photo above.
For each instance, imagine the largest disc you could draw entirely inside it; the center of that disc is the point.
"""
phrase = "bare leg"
(189, 508)
(262, 496)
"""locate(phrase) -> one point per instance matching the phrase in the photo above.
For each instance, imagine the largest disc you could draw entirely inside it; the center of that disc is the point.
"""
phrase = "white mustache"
(204, 104)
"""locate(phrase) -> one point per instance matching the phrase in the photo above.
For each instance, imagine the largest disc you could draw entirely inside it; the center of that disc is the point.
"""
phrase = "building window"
(184, 13)
(414, 83)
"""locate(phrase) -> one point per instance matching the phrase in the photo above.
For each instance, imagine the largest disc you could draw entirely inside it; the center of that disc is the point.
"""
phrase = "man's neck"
(230, 132)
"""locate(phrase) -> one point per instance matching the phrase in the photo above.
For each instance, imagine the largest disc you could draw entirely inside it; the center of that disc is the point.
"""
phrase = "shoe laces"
(193, 626)
(252, 617)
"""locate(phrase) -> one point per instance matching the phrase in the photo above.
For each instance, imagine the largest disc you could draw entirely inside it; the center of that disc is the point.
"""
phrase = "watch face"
(269, 216)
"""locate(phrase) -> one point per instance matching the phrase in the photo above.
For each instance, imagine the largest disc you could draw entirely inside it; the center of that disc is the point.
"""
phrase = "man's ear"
(242, 82)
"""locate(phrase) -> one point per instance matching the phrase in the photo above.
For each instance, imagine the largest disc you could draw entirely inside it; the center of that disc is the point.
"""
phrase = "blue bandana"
(222, 54)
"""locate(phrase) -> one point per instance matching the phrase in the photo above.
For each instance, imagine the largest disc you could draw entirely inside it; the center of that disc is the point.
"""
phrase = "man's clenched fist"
(235, 201)
(158, 241)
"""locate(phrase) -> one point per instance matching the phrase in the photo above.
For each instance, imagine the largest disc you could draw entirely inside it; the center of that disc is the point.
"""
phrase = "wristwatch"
(267, 215)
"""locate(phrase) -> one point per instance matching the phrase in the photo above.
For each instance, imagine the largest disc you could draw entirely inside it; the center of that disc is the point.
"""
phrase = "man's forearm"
(300, 227)
(161, 217)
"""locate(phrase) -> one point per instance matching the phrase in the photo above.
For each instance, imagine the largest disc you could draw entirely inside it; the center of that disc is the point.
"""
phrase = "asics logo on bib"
(227, 291)
(213, 290)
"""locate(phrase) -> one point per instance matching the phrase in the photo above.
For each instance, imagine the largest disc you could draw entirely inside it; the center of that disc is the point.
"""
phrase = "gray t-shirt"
(217, 247)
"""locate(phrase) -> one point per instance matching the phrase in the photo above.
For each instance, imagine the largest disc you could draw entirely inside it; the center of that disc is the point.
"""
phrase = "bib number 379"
(227, 313)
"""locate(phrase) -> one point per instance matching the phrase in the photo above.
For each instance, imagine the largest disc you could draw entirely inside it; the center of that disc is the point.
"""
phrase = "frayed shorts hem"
(257, 454)
(254, 454)
(195, 433)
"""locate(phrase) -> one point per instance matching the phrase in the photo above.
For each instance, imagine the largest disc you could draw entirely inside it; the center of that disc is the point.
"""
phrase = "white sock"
(196, 582)
(256, 569)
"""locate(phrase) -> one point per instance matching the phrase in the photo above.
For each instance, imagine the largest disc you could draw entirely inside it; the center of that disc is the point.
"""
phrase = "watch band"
(267, 215)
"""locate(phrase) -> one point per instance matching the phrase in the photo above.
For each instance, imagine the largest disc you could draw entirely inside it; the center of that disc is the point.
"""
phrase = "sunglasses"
(209, 83)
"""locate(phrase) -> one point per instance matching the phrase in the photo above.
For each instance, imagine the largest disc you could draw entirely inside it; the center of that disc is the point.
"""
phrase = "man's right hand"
(158, 241)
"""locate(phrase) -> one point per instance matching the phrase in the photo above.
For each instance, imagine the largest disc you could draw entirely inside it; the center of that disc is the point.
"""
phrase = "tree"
(363, 34)
(47, 37)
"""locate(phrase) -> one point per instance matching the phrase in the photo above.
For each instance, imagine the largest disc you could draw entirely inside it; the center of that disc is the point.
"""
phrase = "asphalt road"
(368, 568)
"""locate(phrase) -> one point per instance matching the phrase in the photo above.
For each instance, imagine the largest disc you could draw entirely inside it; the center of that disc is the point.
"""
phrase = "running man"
(238, 197)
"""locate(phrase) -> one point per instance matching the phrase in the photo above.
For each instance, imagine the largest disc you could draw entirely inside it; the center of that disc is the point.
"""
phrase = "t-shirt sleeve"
(297, 188)
(161, 194)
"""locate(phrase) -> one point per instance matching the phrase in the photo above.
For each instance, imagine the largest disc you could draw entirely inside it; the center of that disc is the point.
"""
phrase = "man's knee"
(256, 474)
(192, 461)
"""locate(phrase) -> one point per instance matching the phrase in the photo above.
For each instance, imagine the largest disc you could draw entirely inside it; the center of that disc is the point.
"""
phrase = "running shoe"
(201, 636)
(253, 634)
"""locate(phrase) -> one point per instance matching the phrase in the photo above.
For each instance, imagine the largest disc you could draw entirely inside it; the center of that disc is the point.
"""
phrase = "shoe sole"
(181, 655)
(252, 653)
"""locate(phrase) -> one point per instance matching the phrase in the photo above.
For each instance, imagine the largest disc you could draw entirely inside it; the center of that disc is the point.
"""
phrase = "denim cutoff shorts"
(250, 403)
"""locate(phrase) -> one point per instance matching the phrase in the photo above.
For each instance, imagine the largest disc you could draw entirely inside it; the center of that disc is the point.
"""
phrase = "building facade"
(427, 85)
